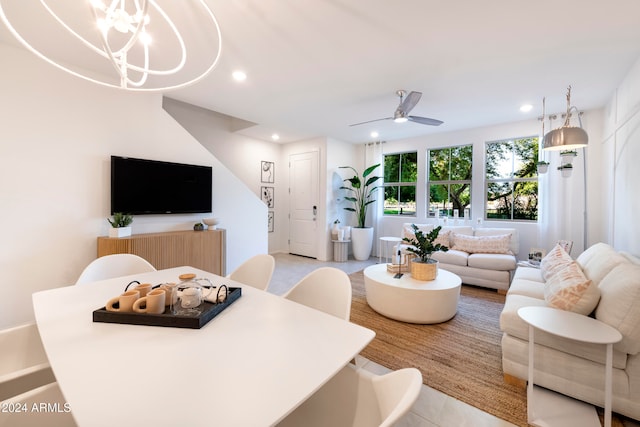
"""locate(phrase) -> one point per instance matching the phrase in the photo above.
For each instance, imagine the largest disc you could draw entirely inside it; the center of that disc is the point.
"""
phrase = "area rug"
(460, 358)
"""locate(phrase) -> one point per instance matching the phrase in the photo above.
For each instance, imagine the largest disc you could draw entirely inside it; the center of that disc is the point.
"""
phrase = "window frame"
(448, 182)
(413, 184)
(512, 179)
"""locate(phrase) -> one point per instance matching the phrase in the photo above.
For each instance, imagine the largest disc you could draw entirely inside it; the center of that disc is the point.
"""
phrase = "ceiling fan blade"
(409, 102)
(425, 121)
(371, 121)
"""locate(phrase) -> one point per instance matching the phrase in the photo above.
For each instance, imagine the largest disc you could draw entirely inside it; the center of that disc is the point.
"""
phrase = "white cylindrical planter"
(120, 232)
(362, 242)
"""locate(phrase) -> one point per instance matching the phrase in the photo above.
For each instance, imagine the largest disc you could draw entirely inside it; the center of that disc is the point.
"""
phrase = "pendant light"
(566, 137)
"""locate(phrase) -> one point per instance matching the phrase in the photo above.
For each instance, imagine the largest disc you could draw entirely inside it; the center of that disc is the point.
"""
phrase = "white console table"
(573, 326)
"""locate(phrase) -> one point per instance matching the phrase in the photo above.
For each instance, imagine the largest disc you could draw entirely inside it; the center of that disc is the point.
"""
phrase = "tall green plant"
(362, 194)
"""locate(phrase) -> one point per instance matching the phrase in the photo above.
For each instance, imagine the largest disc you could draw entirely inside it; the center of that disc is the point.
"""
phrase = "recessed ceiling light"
(374, 134)
(526, 108)
(275, 137)
(239, 76)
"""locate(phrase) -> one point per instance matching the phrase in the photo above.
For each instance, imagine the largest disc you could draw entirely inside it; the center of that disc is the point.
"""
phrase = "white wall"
(58, 133)
(620, 171)
(248, 235)
(338, 154)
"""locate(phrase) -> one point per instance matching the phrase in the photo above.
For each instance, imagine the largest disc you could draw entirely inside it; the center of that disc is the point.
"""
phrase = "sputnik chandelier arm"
(124, 29)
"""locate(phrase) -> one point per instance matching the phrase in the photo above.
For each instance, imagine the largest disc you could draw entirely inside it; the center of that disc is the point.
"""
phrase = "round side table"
(384, 241)
(340, 250)
(573, 326)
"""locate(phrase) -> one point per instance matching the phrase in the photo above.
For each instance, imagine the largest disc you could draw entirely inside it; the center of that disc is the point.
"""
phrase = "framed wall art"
(270, 222)
(267, 195)
(267, 172)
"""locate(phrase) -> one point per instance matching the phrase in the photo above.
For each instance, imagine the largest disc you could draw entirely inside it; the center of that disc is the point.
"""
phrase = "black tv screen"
(140, 186)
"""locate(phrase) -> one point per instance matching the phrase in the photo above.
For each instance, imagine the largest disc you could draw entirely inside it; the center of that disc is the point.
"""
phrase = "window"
(400, 177)
(512, 179)
(450, 181)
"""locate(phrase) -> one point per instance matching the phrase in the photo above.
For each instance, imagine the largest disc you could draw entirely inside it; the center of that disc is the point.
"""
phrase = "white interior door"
(303, 193)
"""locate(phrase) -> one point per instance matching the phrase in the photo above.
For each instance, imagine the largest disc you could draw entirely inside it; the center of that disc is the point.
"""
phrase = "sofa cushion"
(492, 261)
(510, 321)
(452, 256)
(482, 244)
(620, 305)
(598, 260)
(515, 239)
(569, 289)
(524, 287)
(528, 273)
(556, 260)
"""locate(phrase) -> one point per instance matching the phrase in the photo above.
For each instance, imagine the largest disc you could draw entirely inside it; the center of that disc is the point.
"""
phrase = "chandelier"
(135, 45)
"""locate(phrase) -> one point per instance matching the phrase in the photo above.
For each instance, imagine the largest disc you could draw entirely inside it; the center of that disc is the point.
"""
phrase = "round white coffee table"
(409, 300)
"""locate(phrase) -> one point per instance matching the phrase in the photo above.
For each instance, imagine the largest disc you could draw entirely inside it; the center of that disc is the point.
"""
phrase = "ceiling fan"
(401, 114)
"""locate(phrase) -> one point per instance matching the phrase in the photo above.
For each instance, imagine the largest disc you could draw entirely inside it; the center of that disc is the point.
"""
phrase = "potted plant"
(120, 225)
(542, 167)
(362, 194)
(566, 170)
(568, 153)
(423, 267)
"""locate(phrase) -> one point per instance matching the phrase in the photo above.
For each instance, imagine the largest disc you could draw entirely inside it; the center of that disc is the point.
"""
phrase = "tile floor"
(432, 408)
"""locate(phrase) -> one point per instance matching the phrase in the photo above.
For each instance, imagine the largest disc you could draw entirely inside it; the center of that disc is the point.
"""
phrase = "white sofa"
(568, 367)
(466, 258)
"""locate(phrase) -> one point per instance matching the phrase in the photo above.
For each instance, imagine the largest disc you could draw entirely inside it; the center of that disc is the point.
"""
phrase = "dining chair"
(255, 272)
(327, 289)
(109, 266)
(356, 397)
(45, 406)
(23, 361)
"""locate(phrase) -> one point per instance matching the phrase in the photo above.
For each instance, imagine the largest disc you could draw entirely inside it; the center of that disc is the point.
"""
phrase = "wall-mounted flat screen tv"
(140, 186)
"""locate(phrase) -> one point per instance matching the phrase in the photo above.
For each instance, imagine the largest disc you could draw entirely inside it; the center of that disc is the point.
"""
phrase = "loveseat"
(481, 256)
(601, 283)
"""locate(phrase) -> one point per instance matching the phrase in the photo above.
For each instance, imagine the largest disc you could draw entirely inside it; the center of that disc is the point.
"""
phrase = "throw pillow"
(569, 289)
(407, 230)
(443, 238)
(556, 260)
(484, 244)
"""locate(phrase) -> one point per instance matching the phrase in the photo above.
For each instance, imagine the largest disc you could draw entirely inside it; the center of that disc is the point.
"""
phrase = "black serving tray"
(167, 319)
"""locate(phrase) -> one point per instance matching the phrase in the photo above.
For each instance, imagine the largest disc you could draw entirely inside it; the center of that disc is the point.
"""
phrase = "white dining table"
(251, 365)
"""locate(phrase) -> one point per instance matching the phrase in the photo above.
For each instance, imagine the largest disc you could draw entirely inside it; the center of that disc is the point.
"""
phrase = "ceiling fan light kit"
(401, 115)
(121, 35)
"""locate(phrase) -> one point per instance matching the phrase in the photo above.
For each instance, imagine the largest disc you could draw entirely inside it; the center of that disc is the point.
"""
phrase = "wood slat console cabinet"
(200, 249)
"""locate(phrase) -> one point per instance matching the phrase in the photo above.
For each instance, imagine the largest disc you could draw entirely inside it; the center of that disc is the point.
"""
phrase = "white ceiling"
(316, 66)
